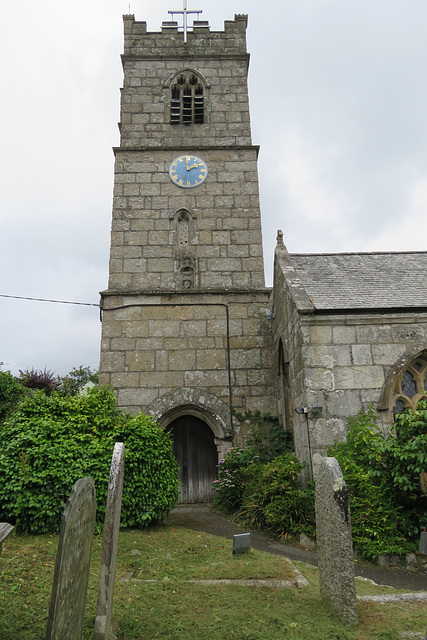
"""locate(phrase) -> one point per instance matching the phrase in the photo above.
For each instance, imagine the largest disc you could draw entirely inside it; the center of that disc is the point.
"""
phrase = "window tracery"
(410, 385)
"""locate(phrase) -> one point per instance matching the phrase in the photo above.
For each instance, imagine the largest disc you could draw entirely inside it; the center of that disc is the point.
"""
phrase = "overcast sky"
(338, 104)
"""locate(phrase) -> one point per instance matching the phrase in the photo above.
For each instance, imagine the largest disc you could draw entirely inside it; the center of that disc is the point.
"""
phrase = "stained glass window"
(410, 385)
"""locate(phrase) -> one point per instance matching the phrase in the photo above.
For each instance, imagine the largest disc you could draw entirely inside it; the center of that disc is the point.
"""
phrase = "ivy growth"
(267, 435)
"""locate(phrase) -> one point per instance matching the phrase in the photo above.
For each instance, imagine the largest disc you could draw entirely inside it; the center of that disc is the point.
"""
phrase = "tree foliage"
(10, 393)
(76, 379)
(51, 441)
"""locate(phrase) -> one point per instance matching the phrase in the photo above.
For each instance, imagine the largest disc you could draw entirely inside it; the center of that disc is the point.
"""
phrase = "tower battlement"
(200, 38)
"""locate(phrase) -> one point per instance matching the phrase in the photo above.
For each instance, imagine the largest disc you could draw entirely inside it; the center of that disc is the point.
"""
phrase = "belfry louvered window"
(187, 101)
(183, 228)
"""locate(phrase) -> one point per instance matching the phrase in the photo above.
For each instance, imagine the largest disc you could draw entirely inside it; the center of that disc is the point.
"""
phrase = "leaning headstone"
(71, 576)
(334, 541)
(109, 545)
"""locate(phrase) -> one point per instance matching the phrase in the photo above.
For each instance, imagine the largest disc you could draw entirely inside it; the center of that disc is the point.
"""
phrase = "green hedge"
(50, 442)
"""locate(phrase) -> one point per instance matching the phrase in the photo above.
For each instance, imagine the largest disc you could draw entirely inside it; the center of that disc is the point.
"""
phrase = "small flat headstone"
(334, 541)
(110, 544)
(241, 543)
(71, 576)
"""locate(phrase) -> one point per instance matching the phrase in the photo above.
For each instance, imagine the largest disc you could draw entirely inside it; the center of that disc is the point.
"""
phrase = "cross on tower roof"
(184, 11)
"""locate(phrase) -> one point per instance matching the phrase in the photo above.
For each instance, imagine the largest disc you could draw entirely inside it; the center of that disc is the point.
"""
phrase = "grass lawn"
(161, 603)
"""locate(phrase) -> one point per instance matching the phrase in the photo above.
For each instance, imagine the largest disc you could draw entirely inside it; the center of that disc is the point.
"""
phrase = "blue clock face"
(188, 171)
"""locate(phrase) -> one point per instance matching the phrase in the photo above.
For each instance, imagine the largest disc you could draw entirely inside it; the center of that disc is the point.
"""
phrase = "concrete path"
(204, 518)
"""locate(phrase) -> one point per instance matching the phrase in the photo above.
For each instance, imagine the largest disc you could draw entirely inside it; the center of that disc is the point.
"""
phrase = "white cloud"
(338, 105)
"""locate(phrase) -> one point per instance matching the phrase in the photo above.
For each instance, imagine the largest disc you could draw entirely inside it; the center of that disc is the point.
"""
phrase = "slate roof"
(363, 280)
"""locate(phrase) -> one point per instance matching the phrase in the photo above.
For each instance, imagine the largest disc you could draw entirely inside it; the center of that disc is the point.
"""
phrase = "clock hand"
(194, 166)
(186, 162)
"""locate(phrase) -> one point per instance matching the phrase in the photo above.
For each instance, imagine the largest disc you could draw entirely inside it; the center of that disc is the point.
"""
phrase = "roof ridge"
(360, 253)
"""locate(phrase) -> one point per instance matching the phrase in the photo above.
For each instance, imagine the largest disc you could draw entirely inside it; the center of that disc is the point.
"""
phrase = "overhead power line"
(45, 344)
(84, 304)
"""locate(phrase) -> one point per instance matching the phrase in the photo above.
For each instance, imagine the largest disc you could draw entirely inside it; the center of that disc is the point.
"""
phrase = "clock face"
(188, 171)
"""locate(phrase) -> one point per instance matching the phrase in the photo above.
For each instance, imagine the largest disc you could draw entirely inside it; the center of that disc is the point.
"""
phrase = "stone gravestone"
(109, 545)
(5, 529)
(71, 577)
(334, 541)
(241, 543)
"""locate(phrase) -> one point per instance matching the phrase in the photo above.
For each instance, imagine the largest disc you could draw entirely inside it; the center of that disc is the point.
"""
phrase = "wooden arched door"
(195, 451)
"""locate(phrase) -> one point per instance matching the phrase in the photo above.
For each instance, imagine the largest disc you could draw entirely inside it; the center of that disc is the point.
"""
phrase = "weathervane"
(185, 13)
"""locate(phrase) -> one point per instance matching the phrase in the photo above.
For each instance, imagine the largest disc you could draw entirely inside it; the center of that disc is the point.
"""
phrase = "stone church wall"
(348, 361)
(339, 363)
(217, 343)
(225, 243)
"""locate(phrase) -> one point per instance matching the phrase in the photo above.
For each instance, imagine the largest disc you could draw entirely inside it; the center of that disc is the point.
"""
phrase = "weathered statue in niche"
(187, 277)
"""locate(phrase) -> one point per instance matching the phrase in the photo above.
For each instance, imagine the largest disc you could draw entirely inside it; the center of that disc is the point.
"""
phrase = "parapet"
(200, 39)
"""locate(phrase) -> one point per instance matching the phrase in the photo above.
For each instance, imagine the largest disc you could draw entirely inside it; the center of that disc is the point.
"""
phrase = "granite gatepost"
(71, 576)
(334, 541)
(109, 545)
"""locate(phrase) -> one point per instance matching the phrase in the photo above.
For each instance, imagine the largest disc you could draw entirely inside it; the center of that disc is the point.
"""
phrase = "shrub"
(36, 379)
(151, 472)
(50, 442)
(382, 473)
(274, 499)
(232, 478)
(265, 495)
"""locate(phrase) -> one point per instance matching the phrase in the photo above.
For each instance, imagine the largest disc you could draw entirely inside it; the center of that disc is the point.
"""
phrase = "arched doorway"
(196, 453)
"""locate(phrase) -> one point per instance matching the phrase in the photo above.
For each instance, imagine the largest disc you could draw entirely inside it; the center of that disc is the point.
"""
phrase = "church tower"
(186, 331)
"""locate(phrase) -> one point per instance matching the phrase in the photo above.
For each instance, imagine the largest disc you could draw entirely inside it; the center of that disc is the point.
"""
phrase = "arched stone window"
(410, 384)
(187, 99)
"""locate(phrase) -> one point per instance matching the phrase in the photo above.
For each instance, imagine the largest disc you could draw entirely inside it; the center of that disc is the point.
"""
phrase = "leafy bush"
(274, 499)
(382, 472)
(151, 471)
(50, 442)
(36, 379)
(265, 495)
(10, 393)
(233, 477)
